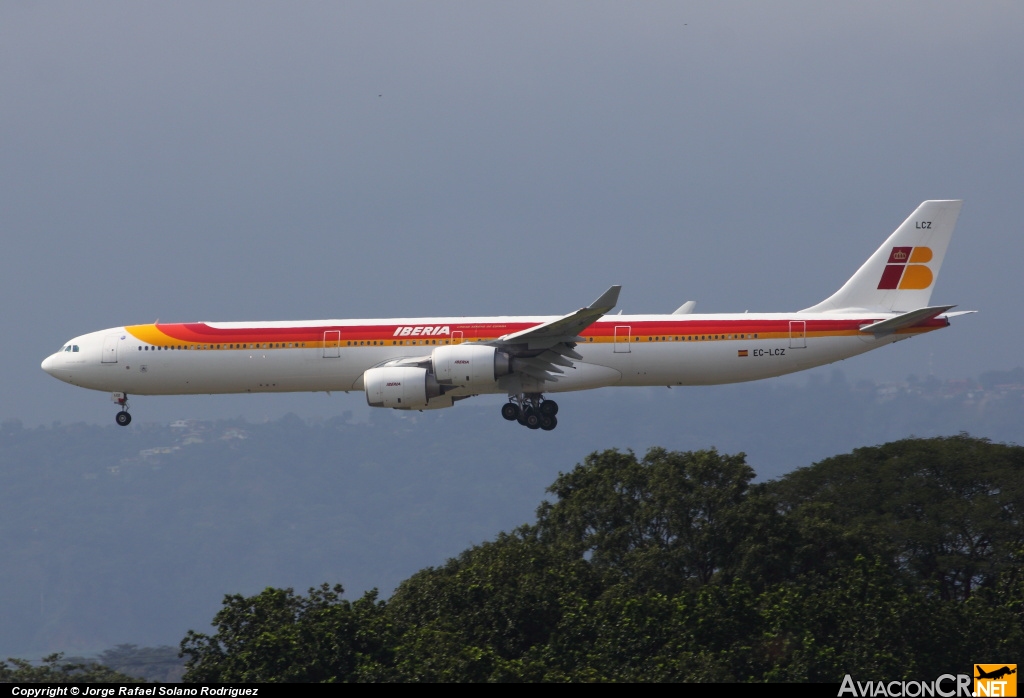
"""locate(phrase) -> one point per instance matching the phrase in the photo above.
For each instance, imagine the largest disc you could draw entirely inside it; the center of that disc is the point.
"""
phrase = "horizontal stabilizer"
(914, 317)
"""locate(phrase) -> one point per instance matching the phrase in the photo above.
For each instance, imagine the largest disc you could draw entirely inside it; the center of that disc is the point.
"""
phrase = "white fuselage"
(332, 355)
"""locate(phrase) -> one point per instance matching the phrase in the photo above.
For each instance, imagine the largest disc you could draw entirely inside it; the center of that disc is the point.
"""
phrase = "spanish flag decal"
(741, 352)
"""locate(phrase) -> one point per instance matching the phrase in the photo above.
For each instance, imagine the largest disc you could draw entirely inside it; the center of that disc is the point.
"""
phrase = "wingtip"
(608, 300)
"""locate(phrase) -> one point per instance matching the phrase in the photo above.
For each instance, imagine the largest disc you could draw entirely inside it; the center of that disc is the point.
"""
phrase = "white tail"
(901, 274)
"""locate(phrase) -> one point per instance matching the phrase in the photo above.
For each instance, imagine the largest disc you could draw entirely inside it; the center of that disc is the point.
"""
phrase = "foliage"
(901, 560)
(54, 670)
(278, 636)
(669, 520)
(950, 508)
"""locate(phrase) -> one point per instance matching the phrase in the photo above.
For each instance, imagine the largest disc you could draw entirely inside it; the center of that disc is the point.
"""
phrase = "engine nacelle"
(470, 365)
(401, 387)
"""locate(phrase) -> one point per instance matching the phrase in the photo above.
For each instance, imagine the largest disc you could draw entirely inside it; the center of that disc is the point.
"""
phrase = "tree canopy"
(900, 560)
(54, 669)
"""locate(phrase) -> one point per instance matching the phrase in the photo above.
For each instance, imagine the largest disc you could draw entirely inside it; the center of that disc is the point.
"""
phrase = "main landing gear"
(122, 418)
(531, 410)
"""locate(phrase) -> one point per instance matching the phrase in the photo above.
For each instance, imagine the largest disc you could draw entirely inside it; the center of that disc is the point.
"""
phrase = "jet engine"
(469, 365)
(401, 387)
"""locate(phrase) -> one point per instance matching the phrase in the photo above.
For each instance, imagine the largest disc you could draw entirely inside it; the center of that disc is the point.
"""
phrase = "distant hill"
(134, 535)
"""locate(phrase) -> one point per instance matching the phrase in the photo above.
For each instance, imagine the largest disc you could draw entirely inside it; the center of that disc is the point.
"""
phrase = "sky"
(196, 161)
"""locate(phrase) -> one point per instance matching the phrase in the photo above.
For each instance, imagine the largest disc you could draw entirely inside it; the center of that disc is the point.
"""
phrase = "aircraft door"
(109, 355)
(797, 334)
(332, 344)
(622, 337)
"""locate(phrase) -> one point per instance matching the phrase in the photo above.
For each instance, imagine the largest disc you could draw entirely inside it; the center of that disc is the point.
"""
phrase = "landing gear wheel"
(549, 408)
(531, 410)
(123, 418)
(532, 419)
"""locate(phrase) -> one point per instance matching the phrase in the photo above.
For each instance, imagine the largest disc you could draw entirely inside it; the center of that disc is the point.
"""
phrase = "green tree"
(662, 523)
(899, 560)
(481, 615)
(278, 636)
(950, 509)
(54, 669)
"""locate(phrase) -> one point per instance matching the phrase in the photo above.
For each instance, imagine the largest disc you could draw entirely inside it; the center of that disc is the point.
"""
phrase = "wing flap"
(537, 364)
(555, 358)
(535, 372)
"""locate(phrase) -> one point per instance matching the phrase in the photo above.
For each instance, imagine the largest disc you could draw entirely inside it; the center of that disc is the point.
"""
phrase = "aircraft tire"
(549, 408)
(123, 419)
(548, 422)
(510, 411)
(532, 420)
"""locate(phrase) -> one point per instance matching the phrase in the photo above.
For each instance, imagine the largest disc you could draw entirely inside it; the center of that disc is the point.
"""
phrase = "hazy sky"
(254, 161)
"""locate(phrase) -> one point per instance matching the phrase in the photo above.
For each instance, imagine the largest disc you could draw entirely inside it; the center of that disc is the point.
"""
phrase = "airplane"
(433, 362)
(995, 673)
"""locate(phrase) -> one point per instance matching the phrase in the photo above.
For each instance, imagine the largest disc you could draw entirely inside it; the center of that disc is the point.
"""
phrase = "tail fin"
(901, 274)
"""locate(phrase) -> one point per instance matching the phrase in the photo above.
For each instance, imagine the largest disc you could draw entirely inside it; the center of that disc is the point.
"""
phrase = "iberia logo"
(995, 680)
(906, 269)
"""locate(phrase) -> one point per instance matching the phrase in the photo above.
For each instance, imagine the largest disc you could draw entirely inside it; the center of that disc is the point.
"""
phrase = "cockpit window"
(67, 348)
(74, 347)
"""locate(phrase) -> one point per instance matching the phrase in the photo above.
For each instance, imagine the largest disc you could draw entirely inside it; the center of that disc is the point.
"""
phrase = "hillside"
(134, 535)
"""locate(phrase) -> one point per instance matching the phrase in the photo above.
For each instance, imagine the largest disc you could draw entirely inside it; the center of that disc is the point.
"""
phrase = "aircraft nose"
(49, 364)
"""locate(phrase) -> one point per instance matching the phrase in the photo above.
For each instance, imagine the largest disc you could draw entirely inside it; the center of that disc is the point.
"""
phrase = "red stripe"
(198, 332)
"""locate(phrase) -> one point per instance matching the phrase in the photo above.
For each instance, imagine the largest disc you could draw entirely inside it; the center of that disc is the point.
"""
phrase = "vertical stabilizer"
(901, 274)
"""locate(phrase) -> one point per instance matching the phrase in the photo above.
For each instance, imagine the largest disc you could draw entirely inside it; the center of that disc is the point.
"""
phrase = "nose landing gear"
(122, 417)
(531, 410)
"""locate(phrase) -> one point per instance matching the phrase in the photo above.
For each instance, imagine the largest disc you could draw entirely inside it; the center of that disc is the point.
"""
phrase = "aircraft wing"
(564, 329)
(542, 351)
